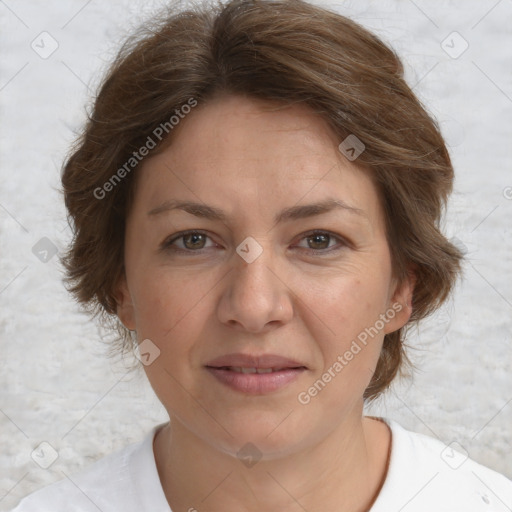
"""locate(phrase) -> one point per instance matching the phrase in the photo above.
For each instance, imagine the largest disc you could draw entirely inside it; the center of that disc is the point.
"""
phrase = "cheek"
(347, 356)
(168, 300)
(173, 311)
(347, 311)
(348, 304)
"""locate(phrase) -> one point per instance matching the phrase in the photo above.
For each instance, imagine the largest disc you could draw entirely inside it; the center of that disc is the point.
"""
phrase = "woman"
(257, 197)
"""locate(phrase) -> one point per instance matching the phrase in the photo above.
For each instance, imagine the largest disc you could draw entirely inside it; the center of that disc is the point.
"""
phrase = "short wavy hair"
(287, 51)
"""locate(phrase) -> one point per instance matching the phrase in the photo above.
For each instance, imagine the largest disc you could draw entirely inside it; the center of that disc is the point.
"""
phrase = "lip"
(255, 361)
(255, 383)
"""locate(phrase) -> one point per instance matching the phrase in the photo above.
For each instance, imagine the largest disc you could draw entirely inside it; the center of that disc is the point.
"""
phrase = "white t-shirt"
(424, 475)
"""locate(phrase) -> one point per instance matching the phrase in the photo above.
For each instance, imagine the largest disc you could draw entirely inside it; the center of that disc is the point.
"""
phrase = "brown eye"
(188, 241)
(194, 240)
(321, 242)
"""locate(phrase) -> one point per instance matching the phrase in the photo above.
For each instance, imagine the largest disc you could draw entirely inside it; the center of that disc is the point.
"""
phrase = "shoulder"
(425, 474)
(124, 480)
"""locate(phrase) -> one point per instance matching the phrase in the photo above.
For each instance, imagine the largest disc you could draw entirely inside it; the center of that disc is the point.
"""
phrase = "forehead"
(251, 154)
(251, 130)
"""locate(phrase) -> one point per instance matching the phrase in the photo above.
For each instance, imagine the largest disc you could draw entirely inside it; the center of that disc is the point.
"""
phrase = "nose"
(255, 297)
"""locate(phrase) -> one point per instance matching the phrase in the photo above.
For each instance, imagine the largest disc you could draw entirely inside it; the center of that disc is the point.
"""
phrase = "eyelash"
(167, 244)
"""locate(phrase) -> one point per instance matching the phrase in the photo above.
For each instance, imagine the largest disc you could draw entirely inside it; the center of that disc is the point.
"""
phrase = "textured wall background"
(57, 384)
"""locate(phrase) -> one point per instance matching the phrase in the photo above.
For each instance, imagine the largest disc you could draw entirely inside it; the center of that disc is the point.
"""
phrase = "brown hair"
(288, 51)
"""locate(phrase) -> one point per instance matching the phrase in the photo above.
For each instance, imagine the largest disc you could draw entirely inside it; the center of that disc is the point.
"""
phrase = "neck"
(342, 472)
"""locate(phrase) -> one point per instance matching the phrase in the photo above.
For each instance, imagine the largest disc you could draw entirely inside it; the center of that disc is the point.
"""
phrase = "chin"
(267, 435)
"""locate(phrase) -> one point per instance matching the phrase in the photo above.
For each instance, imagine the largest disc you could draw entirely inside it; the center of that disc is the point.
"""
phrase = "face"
(256, 277)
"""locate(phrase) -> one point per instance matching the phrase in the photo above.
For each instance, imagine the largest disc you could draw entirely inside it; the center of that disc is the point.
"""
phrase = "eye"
(318, 241)
(192, 241)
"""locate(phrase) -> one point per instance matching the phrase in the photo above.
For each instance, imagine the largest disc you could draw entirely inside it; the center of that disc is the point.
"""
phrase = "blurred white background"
(58, 386)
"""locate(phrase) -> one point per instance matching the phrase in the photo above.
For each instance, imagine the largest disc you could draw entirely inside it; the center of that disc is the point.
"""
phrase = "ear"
(400, 304)
(125, 310)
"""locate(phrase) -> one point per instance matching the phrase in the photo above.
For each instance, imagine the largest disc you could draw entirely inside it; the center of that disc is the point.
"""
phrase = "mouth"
(255, 375)
(241, 369)
(255, 381)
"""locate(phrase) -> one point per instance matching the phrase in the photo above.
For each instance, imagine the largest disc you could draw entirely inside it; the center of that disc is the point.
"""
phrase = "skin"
(252, 161)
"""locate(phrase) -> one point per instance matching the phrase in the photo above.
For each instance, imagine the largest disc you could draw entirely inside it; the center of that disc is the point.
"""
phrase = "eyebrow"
(288, 214)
